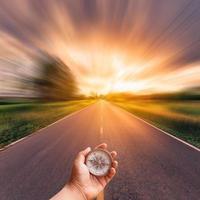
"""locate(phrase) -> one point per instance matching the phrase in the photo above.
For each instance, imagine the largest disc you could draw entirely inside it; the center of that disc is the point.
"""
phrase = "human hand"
(84, 182)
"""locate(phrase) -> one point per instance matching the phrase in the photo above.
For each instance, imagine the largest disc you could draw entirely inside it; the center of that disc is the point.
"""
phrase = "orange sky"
(111, 46)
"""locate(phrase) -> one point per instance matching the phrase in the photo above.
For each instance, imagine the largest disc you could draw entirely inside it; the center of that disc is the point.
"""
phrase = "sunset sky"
(139, 46)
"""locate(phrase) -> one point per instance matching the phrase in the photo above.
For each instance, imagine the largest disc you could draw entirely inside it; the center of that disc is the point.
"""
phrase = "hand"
(83, 185)
(89, 185)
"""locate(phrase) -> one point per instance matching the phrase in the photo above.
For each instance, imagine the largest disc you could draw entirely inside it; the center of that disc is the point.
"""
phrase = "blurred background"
(59, 56)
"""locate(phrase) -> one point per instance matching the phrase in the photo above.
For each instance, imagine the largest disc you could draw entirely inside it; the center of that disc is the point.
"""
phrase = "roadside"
(18, 120)
(179, 118)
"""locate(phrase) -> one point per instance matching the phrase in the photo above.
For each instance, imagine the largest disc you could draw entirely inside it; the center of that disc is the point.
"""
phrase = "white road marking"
(101, 130)
(101, 123)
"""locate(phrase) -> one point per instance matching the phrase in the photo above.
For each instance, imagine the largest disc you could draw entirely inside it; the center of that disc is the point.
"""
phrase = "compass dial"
(99, 162)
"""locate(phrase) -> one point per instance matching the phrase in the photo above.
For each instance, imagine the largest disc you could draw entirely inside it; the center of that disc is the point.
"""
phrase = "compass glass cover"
(98, 162)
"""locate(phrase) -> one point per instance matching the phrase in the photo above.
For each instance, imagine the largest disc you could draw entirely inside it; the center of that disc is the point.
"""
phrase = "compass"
(99, 162)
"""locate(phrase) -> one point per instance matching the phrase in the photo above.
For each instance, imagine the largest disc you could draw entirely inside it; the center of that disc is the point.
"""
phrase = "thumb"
(82, 154)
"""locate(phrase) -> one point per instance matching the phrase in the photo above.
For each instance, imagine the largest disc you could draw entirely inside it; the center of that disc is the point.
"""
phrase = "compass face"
(99, 162)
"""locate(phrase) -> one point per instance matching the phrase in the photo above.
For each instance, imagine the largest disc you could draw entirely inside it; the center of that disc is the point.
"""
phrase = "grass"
(180, 118)
(20, 119)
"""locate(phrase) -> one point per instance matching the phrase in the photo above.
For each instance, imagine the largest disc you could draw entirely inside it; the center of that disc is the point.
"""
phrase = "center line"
(101, 130)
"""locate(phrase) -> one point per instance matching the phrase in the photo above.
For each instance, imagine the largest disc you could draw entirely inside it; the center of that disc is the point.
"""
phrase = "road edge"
(39, 130)
(169, 134)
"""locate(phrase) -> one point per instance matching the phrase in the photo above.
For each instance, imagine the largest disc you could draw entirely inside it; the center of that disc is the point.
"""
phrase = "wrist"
(76, 191)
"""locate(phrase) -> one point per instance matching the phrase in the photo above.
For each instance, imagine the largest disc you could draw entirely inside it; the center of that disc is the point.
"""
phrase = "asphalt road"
(152, 165)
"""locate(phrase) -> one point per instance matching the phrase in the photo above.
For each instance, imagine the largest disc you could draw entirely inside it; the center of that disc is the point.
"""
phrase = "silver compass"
(99, 162)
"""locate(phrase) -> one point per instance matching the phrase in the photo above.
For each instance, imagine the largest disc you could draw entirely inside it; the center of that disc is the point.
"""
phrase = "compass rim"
(109, 156)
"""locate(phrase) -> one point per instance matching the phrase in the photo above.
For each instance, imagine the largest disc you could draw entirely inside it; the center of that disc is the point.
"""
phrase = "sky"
(138, 46)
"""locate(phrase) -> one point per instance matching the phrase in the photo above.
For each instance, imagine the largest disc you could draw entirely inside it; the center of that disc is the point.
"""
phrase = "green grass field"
(20, 119)
(180, 118)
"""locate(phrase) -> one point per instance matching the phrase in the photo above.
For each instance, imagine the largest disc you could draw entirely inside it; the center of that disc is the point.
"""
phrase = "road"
(152, 165)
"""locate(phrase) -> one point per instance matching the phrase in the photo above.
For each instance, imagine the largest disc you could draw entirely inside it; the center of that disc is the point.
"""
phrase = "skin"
(82, 184)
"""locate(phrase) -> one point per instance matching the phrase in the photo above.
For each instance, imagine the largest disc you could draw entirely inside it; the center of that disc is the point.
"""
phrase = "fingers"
(113, 154)
(115, 164)
(111, 174)
(101, 146)
(86, 151)
(81, 155)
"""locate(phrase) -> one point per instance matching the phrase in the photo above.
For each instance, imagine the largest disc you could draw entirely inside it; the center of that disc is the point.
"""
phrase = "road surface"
(152, 165)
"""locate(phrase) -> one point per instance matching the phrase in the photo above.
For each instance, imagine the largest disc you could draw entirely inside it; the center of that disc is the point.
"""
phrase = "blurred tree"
(55, 80)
